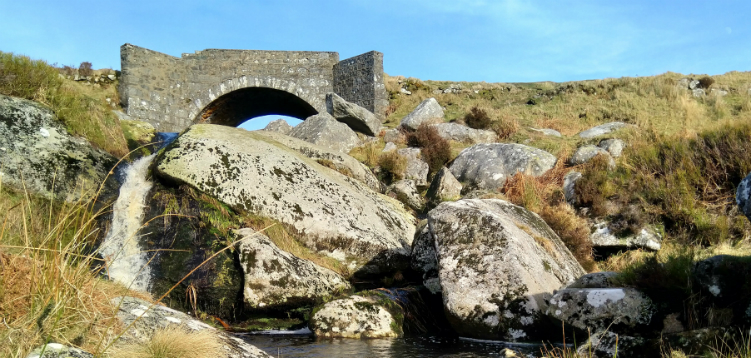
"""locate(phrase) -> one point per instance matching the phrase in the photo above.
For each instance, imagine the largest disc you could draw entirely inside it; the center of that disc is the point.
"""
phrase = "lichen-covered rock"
(486, 166)
(608, 345)
(57, 350)
(336, 215)
(279, 126)
(602, 130)
(337, 160)
(602, 238)
(424, 258)
(723, 280)
(569, 186)
(444, 187)
(356, 117)
(38, 155)
(603, 279)
(390, 146)
(417, 169)
(428, 110)
(275, 278)
(613, 146)
(620, 310)
(464, 134)
(585, 153)
(698, 342)
(355, 317)
(497, 264)
(742, 195)
(144, 319)
(322, 129)
(405, 191)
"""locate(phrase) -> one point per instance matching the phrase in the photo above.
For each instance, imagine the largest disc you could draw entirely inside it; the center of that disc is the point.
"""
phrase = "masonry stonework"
(230, 86)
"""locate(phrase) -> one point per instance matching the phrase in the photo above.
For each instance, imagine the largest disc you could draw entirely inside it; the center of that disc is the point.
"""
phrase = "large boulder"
(464, 134)
(444, 187)
(275, 278)
(620, 310)
(334, 159)
(279, 126)
(601, 130)
(498, 263)
(417, 169)
(322, 129)
(487, 166)
(358, 118)
(38, 154)
(426, 111)
(143, 319)
(335, 214)
(356, 317)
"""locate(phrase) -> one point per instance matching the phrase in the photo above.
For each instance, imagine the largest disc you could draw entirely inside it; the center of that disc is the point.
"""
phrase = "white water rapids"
(125, 261)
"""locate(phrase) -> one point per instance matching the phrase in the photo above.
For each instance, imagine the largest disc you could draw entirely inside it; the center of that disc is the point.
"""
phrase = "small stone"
(406, 191)
(394, 135)
(444, 187)
(569, 182)
(694, 84)
(586, 153)
(390, 146)
(354, 317)
(602, 238)
(698, 92)
(402, 90)
(548, 132)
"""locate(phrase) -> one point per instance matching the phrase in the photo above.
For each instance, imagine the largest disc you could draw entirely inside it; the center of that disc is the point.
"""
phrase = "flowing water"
(289, 346)
(126, 262)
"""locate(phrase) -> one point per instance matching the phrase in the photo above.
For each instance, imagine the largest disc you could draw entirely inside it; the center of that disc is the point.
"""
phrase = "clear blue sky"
(473, 40)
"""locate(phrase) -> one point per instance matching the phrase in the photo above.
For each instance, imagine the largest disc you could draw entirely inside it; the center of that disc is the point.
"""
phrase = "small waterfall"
(125, 261)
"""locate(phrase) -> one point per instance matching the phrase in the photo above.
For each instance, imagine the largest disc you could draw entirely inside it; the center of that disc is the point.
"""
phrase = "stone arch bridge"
(230, 86)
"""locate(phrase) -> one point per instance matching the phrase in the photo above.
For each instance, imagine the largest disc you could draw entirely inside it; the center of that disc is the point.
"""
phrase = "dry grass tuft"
(392, 166)
(173, 342)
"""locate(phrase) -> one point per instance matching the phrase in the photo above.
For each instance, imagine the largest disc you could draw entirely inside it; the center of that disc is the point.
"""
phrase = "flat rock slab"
(497, 265)
(145, 319)
(335, 159)
(602, 238)
(336, 215)
(602, 130)
(487, 166)
(277, 279)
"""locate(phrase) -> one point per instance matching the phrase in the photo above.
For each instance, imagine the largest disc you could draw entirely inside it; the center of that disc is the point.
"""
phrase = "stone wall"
(359, 80)
(172, 93)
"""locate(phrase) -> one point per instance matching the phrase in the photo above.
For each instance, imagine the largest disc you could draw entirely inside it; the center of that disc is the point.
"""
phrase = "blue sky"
(472, 40)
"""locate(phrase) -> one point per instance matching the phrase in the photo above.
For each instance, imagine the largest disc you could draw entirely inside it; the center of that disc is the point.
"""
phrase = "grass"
(173, 342)
(83, 108)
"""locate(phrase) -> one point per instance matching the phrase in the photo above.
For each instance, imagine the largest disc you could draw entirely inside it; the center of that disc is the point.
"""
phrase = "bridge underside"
(233, 108)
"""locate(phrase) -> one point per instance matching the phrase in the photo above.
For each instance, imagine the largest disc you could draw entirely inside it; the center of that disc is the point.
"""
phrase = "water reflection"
(418, 347)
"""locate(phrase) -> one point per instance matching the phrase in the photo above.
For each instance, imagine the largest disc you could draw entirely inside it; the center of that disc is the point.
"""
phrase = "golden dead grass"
(172, 342)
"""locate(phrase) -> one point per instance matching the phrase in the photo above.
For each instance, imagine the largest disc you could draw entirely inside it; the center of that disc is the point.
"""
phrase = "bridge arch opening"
(236, 107)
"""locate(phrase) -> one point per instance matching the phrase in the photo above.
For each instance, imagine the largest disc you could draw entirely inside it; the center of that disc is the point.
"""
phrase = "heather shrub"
(477, 118)
(706, 81)
(85, 69)
(436, 151)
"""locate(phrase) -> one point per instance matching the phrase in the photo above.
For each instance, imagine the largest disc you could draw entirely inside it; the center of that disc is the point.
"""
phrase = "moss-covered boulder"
(183, 228)
(137, 133)
(38, 154)
(498, 264)
(333, 213)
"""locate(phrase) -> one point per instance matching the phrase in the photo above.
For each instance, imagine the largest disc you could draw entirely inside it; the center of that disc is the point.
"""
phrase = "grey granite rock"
(358, 118)
(426, 111)
(464, 134)
(487, 166)
(602, 129)
(279, 126)
(417, 169)
(322, 129)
